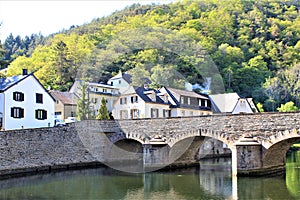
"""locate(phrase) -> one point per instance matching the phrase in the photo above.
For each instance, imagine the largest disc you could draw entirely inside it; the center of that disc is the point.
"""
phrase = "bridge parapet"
(226, 128)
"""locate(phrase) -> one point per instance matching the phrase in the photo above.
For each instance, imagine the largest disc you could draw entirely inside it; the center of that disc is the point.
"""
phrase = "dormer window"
(182, 100)
(18, 96)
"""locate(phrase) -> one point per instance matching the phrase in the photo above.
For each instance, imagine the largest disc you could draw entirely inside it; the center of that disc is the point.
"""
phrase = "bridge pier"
(248, 160)
(155, 156)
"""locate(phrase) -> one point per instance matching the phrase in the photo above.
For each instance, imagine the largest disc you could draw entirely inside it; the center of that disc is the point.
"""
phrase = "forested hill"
(254, 44)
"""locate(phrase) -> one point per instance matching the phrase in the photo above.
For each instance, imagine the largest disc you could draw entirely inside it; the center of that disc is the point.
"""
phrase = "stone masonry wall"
(38, 148)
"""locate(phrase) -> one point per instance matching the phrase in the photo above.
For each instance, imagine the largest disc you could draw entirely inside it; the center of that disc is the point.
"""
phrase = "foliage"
(260, 107)
(103, 112)
(83, 103)
(17, 46)
(254, 44)
(289, 106)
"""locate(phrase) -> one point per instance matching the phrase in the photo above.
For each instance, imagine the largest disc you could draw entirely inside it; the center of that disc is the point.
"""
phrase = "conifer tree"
(103, 112)
(83, 103)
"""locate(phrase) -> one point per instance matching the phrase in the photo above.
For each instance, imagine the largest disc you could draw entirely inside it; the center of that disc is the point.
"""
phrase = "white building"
(232, 103)
(187, 103)
(121, 80)
(95, 93)
(140, 102)
(25, 103)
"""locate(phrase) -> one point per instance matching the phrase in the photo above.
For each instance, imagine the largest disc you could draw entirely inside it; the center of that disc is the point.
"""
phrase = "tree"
(260, 107)
(288, 107)
(103, 112)
(2, 59)
(83, 102)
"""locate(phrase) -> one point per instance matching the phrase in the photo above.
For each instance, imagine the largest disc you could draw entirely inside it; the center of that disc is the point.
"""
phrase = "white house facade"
(121, 80)
(95, 93)
(25, 103)
(232, 103)
(186, 103)
(140, 102)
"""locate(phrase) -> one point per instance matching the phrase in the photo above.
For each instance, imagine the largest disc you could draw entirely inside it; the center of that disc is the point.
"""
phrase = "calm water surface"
(212, 181)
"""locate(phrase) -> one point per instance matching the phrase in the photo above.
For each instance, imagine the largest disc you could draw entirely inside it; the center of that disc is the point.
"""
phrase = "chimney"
(25, 71)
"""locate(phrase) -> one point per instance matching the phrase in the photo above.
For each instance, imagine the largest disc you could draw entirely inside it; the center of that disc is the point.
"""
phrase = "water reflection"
(211, 181)
(293, 173)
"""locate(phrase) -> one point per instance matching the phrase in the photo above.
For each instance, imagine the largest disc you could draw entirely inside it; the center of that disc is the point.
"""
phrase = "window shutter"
(44, 114)
(14, 96)
(22, 96)
(21, 113)
(12, 112)
(36, 114)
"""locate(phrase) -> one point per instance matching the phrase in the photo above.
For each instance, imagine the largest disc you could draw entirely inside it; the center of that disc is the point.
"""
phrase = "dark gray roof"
(6, 83)
(141, 92)
(125, 76)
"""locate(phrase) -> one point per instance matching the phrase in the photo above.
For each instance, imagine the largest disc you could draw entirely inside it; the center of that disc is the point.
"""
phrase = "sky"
(46, 17)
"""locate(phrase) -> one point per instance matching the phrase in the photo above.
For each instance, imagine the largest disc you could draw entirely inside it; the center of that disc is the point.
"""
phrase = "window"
(72, 114)
(39, 98)
(203, 102)
(123, 100)
(189, 100)
(123, 114)
(134, 99)
(94, 100)
(134, 113)
(166, 113)
(119, 81)
(182, 100)
(40, 114)
(18, 96)
(154, 113)
(105, 90)
(57, 114)
(183, 113)
(17, 112)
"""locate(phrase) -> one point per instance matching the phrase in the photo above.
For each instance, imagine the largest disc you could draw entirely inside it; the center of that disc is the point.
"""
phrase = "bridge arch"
(275, 155)
(218, 135)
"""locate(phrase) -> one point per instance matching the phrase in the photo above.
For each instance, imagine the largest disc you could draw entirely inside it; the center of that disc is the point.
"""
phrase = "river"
(212, 180)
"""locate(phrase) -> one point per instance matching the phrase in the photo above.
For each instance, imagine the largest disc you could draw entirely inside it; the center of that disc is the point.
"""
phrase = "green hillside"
(254, 44)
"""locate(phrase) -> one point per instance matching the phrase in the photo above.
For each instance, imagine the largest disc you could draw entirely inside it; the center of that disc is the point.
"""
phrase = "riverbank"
(28, 171)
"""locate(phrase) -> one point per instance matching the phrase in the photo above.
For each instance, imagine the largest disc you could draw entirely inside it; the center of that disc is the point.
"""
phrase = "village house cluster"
(25, 103)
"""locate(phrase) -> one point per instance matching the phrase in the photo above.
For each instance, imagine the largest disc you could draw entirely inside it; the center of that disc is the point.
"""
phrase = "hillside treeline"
(254, 45)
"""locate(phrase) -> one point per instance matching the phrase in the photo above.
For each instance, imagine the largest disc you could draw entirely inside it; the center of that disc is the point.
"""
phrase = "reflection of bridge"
(258, 142)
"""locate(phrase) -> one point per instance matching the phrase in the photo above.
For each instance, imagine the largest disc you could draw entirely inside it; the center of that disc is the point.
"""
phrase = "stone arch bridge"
(258, 142)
